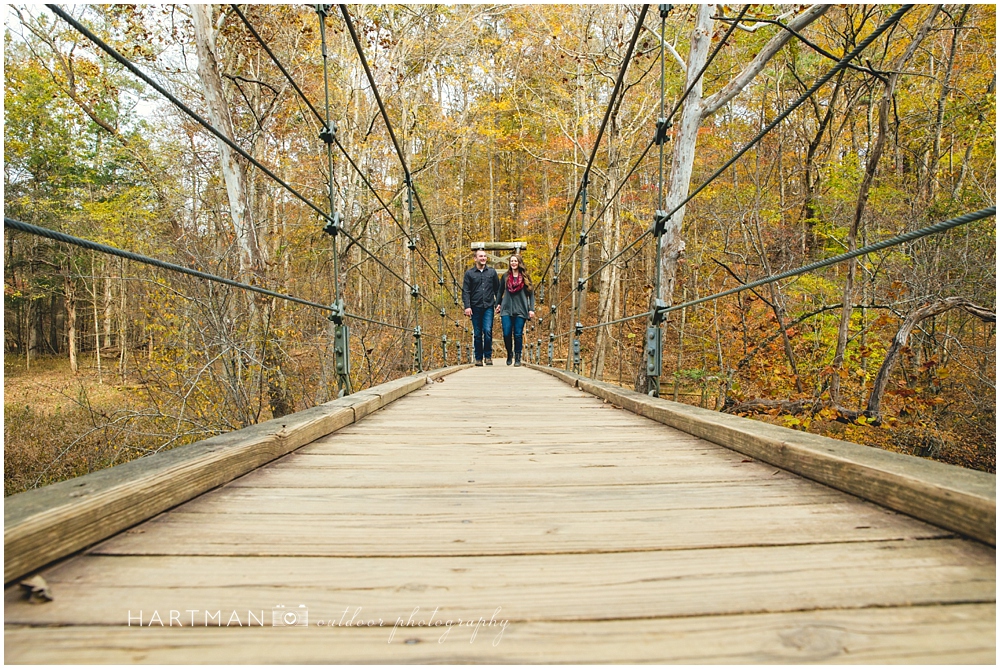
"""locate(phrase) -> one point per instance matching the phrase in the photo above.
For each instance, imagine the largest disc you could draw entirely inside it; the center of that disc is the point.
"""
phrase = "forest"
(499, 113)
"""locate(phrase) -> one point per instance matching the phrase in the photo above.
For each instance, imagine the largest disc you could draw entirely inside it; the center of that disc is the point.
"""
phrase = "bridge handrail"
(55, 235)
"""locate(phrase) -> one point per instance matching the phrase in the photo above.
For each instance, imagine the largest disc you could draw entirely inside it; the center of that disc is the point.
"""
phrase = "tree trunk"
(252, 257)
(218, 113)
(696, 109)
(57, 318)
(885, 108)
(69, 291)
(108, 304)
(873, 410)
(810, 212)
(122, 325)
(97, 317)
(933, 183)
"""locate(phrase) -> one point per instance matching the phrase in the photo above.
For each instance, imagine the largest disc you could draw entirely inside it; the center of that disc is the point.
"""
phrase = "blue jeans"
(515, 324)
(482, 331)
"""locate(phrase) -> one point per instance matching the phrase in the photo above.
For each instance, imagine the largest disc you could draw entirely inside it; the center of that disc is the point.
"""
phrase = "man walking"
(480, 286)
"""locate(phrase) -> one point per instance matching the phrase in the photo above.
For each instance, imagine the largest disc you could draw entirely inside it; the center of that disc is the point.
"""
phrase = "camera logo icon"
(282, 617)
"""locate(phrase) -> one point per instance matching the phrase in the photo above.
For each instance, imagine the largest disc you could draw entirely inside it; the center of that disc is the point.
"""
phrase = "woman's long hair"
(522, 270)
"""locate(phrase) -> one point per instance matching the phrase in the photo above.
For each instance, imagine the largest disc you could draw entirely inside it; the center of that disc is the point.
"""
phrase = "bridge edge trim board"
(49, 523)
(948, 496)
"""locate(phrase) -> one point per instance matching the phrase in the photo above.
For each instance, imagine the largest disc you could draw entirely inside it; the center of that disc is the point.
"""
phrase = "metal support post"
(444, 339)
(577, 331)
(341, 348)
(654, 336)
(580, 282)
(418, 350)
(335, 223)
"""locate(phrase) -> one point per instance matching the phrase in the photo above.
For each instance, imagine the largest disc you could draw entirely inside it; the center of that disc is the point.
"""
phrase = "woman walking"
(515, 304)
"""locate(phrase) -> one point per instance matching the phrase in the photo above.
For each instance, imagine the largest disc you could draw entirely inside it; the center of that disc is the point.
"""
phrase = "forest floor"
(51, 419)
(57, 426)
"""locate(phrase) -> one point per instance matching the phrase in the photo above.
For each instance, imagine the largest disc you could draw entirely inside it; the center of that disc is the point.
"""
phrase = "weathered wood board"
(591, 533)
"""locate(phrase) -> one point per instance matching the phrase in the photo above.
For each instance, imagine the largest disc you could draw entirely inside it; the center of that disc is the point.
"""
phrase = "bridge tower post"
(581, 283)
(334, 225)
(654, 335)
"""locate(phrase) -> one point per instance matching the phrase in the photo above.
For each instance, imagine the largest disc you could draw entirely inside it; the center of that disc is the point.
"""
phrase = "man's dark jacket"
(480, 288)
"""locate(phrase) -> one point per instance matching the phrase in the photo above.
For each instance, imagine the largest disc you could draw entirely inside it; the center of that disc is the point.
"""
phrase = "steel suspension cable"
(161, 264)
(871, 248)
(327, 134)
(841, 64)
(392, 134)
(600, 133)
(815, 47)
(208, 126)
(664, 122)
(336, 140)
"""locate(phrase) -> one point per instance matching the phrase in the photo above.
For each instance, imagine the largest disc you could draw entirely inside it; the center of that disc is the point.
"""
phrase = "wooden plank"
(952, 497)
(388, 476)
(432, 460)
(45, 524)
(958, 634)
(550, 529)
(103, 590)
(385, 446)
(514, 500)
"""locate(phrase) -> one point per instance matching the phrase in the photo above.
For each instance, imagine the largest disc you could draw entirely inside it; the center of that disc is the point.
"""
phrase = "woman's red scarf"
(514, 283)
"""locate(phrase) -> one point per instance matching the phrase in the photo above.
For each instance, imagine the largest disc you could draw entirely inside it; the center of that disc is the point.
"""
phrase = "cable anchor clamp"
(578, 329)
(580, 283)
(323, 10)
(337, 312)
(659, 312)
(662, 125)
(660, 219)
(328, 132)
(664, 10)
(415, 291)
(334, 225)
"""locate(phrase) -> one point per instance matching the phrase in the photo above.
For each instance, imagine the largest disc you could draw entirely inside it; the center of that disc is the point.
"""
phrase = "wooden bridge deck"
(564, 529)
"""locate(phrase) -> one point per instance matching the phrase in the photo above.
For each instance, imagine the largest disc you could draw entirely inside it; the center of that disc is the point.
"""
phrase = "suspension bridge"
(438, 518)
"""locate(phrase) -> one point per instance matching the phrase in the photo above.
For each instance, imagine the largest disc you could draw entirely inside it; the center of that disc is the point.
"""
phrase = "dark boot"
(509, 344)
(517, 359)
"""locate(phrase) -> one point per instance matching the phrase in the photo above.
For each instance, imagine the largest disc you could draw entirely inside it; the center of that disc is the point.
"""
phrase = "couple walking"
(512, 296)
